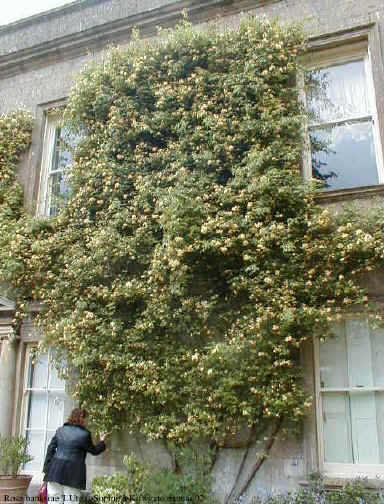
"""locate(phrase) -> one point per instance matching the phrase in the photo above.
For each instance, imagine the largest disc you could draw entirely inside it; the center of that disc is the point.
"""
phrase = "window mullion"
(352, 389)
(54, 172)
(28, 389)
(340, 122)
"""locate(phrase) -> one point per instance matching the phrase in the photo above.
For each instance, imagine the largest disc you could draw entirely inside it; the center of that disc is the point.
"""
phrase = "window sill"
(350, 194)
(333, 483)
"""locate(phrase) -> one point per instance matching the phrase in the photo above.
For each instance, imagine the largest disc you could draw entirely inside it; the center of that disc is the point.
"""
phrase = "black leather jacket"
(65, 459)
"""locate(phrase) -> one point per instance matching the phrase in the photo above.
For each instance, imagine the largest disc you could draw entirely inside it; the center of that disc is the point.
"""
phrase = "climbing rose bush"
(15, 137)
(190, 263)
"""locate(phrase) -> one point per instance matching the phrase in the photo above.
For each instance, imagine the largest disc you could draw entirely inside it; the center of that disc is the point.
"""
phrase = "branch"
(239, 472)
(261, 459)
(215, 450)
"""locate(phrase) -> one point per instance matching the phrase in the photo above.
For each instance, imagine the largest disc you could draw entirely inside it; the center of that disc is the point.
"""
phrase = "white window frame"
(46, 172)
(333, 469)
(27, 390)
(338, 56)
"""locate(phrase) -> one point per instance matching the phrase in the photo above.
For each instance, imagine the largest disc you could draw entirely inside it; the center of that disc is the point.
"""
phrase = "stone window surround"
(42, 115)
(26, 393)
(50, 131)
(337, 44)
(340, 471)
(43, 203)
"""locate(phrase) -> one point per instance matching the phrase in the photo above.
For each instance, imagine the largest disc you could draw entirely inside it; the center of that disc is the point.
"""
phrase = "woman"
(64, 465)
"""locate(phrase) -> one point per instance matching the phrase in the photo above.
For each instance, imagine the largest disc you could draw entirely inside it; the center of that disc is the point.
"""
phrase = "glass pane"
(338, 92)
(58, 185)
(39, 372)
(37, 410)
(344, 155)
(333, 359)
(62, 155)
(58, 191)
(336, 428)
(54, 381)
(36, 450)
(359, 353)
(70, 139)
(353, 427)
(55, 409)
(377, 339)
(364, 428)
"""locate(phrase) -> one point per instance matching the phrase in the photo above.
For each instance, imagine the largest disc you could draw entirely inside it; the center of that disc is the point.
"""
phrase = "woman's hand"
(104, 435)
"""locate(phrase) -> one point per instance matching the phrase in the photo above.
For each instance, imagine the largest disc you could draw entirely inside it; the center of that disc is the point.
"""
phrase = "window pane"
(54, 382)
(364, 428)
(344, 155)
(55, 409)
(353, 421)
(377, 339)
(333, 359)
(37, 410)
(39, 372)
(36, 450)
(58, 191)
(359, 353)
(353, 427)
(336, 428)
(338, 92)
(62, 155)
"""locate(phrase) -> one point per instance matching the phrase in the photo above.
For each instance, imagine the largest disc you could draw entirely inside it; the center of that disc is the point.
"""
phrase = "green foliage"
(15, 137)
(355, 492)
(13, 454)
(191, 263)
(143, 481)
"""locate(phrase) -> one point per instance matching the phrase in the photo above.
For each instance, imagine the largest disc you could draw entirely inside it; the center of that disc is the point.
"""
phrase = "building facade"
(39, 58)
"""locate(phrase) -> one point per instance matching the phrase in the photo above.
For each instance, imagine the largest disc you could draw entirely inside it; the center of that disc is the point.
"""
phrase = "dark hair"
(77, 416)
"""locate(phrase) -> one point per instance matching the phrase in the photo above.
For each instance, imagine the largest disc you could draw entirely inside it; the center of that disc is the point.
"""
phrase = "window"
(56, 158)
(343, 129)
(351, 400)
(44, 401)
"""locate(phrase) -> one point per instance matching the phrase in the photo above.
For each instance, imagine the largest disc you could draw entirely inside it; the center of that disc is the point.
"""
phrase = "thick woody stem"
(261, 459)
(240, 471)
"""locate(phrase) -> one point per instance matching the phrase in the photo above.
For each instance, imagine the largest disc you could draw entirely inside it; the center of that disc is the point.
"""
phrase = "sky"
(13, 10)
